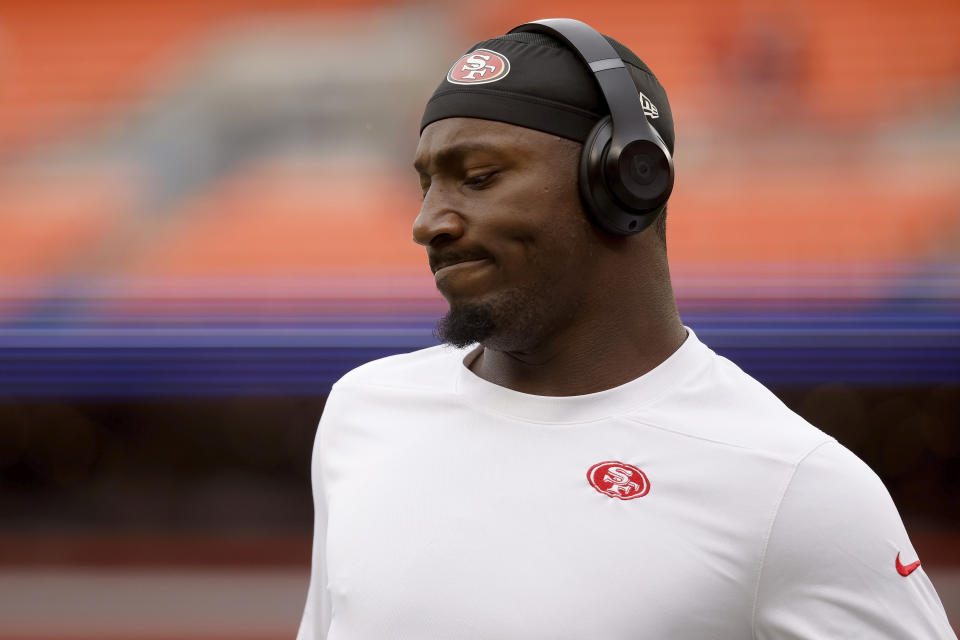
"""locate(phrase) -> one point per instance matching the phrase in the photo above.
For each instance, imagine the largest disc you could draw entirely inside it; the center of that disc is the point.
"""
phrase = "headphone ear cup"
(642, 175)
(594, 194)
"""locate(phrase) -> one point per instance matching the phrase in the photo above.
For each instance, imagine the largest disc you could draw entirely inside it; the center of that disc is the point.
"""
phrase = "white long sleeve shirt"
(687, 504)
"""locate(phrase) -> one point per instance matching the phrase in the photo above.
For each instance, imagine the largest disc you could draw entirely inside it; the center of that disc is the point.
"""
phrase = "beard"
(465, 324)
(511, 321)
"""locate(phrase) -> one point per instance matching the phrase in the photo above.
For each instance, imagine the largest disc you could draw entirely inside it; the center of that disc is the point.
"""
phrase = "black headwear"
(545, 87)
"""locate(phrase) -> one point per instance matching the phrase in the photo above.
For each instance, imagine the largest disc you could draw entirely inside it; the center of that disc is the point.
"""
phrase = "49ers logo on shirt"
(479, 66)
(618, 480)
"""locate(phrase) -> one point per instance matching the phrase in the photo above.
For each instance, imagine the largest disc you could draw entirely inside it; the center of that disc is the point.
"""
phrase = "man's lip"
(454, 263)
(459, 263)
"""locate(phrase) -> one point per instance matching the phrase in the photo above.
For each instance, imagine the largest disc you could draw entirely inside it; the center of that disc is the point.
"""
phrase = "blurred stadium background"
(205, 210)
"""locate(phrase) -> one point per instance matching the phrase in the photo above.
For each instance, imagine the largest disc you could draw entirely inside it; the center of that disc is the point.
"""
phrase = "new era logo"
(649, 108)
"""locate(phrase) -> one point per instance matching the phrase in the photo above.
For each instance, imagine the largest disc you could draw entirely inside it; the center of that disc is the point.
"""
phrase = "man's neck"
(585, 359)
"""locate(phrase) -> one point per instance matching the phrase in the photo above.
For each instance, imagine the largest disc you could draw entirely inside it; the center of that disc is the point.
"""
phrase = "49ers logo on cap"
(478, 67)
(618, 480)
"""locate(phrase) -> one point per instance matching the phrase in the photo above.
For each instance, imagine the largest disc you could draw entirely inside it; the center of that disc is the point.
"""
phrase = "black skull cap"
(533, 80)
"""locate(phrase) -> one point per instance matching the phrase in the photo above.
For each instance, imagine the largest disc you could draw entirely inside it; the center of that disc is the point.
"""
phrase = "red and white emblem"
(478, 67)
(618, 480)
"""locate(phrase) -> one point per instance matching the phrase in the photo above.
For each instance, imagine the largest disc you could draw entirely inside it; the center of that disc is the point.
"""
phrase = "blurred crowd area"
(205, 210)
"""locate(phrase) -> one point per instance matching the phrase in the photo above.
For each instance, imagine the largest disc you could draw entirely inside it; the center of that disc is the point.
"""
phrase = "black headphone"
(626, 170)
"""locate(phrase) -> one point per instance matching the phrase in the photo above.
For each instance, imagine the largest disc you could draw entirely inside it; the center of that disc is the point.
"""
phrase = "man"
(575, 463)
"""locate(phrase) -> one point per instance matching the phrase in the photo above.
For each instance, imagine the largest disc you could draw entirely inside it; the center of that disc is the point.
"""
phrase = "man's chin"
(465, 324)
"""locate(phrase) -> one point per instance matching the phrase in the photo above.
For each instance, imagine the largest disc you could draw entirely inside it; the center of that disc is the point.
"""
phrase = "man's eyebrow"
(453, 153)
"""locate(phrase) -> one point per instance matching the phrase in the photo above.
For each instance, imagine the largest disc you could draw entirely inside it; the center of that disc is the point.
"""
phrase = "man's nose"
(438, 221)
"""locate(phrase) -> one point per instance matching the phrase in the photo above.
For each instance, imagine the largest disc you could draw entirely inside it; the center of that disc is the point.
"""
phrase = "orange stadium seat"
(780, 218)
(52, 225)
(273, 221)
(859, 58)
(67, 65)
(862, 58)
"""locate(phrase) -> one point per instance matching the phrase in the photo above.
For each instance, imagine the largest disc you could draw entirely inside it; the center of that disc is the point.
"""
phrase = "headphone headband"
(607, 66)
(579, 36)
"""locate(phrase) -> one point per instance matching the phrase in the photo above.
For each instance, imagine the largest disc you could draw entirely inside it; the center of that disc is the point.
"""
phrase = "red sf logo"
(618, 480)
(478, 67)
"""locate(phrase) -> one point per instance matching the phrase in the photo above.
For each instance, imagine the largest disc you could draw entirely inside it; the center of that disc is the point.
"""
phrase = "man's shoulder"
(433, 368)
(724, 404)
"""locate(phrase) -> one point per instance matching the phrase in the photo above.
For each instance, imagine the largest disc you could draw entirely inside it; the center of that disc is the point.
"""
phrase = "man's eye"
(481, 180)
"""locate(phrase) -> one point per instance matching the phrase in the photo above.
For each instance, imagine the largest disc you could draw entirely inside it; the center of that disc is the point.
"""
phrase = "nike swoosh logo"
(908, 569)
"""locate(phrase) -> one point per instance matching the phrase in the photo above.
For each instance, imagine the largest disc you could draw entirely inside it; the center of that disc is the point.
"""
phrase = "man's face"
(505, 233)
